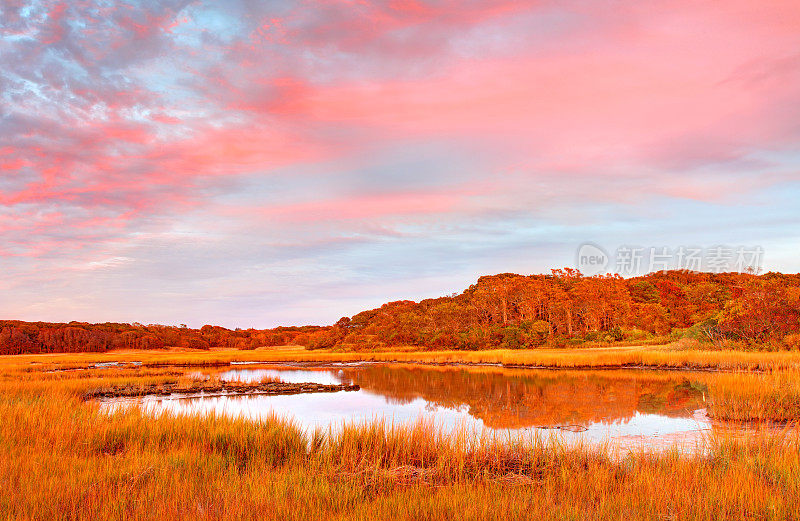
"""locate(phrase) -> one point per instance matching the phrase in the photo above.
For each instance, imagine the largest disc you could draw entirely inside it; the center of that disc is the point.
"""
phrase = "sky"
(260, 163)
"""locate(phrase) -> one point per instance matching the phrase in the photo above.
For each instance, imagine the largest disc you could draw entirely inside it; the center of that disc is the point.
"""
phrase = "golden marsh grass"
(62, 458)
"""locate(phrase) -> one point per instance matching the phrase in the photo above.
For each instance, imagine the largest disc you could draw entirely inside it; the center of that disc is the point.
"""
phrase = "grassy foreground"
(61, 458)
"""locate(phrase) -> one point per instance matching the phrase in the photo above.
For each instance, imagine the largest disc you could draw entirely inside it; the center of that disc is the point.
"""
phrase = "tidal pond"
(625, 407)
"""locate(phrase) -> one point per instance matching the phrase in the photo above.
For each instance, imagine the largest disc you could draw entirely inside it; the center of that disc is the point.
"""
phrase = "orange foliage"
(500, 311)
(17, 337)
(566, 308)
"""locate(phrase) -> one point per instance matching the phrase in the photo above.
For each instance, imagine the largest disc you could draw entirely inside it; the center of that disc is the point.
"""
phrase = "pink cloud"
(150, 175)
(372, 206)
(634, 92)
(638, 96)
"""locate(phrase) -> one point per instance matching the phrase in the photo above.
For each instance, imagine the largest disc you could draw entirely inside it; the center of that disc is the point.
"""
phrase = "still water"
(628, 408)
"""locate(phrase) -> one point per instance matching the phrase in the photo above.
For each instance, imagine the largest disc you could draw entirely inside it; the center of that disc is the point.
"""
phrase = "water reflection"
(319, 376)
(628, 406)
(513, 399)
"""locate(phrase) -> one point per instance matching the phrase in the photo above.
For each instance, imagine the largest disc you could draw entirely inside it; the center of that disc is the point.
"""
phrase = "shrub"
(792, 341)
(538, 331)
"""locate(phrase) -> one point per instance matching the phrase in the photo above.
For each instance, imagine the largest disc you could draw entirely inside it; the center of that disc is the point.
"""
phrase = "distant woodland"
(17, 337)
(560, 309)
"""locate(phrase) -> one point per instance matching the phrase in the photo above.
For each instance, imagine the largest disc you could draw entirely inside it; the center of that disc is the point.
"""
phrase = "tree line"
(565, 308)
(17, 337)
(559, 309)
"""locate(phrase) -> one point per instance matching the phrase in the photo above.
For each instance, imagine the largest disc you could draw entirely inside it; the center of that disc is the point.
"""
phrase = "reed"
(757, 398)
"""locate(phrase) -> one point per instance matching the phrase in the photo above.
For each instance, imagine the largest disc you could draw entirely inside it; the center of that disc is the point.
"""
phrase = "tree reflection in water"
(512, 399)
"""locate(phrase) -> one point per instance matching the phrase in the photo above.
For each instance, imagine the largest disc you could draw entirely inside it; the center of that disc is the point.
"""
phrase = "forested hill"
(506, 310)
(564, 308)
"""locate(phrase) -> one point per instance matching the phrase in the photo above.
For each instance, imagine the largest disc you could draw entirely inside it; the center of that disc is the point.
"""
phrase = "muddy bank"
(56, 368)
(685, 366)
(689, 367)
(320, 364)
(165, 389)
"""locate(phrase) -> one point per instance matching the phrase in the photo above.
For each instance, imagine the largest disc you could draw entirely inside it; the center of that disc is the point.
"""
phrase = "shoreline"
(611, 358)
